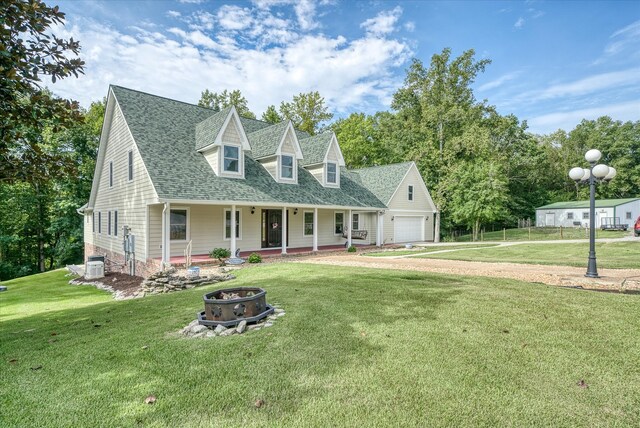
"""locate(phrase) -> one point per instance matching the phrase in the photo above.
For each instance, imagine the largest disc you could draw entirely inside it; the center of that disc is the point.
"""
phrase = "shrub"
(220, 253)
(351, 249)
(254, 258)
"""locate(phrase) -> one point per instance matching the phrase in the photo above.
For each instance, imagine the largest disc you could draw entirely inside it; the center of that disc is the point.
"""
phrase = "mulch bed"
(125, 285)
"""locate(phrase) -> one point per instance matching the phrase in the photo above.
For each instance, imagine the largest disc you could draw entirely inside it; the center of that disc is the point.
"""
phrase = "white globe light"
(593, 155)
(576, 173)
(612, 173)
(600, 171)
(587, 175)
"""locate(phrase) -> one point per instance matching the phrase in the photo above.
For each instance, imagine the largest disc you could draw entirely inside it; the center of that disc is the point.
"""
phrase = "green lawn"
(425, 250)
(616, 255)
(356, 348)
(542, 234)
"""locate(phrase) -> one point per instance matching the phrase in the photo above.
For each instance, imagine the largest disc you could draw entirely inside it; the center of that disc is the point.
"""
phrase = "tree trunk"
(436, 232)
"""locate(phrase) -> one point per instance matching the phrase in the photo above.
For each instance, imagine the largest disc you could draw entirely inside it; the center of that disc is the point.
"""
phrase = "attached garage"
(408, 228)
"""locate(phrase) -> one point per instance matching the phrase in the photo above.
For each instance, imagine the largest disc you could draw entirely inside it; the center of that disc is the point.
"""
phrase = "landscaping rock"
(279, 311)
(268, 324)
(198, 329)
(228, 332)
(220, 329)
(241, 327)
(210, 333)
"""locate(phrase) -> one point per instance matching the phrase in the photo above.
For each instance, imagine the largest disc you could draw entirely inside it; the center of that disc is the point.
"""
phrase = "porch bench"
(355, 234)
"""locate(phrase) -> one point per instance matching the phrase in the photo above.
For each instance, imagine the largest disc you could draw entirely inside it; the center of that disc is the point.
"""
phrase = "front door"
(272, 228)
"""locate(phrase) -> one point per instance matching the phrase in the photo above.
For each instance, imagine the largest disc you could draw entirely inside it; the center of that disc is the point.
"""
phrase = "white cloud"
(567, 120)
(173, 14)
(519, 23)
(410, 26)
(499, 81)
(192, 1)
(625, 37)
(352, 74)
(383, 23)
(591, 84)
(234, 17)
(306, 12)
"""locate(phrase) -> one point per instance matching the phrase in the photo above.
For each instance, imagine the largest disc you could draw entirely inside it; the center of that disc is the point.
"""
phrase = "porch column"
(379, 228)
(166, 234)
(315, 229)
(350, 225)
(233, 231)
(284, 230)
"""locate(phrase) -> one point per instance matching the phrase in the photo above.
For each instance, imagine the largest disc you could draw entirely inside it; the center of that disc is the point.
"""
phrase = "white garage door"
(408, 229)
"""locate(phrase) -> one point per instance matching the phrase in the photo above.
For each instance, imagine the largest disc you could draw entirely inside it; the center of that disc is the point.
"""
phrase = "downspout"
(164, 234)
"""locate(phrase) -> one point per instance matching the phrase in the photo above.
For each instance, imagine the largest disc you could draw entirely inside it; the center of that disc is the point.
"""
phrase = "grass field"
(541, 234)
(356, 348)
(615, 255)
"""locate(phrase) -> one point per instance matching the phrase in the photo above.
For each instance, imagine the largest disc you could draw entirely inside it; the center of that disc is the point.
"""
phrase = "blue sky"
(553, 63)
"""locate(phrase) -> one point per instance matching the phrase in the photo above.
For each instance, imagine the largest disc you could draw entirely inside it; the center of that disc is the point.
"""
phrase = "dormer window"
(331, 173)
(231, 159)
(286, 167)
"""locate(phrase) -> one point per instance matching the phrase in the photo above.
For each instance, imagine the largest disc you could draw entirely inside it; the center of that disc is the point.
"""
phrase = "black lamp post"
(595, 173)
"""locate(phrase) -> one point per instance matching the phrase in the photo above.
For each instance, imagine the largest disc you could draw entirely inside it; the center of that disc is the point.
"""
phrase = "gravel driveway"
(611, 279)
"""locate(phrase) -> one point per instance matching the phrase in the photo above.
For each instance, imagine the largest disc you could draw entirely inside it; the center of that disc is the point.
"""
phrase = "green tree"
(271, 115)
(476, 184)
(306, 111)
(440, 97)
(359, 141)
(218, 101)
(30, 51)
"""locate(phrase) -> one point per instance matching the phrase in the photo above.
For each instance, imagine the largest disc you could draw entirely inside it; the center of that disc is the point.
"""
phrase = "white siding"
(206, 229)
(212, 158)
(400, 205)
(231, 134)
(129, 198)
(288, 145)
(271, 165)
(560, 216)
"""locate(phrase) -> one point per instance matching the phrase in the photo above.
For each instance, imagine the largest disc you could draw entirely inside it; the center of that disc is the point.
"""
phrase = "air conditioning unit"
(94, 270)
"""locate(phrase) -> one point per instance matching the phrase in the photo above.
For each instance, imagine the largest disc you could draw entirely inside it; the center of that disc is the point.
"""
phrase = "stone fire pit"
(230, 306)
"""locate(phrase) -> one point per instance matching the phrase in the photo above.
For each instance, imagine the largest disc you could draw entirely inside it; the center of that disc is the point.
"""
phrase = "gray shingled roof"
(315, 148)
(165, 133)
(264, 142)
(208, 129)
(382, 180)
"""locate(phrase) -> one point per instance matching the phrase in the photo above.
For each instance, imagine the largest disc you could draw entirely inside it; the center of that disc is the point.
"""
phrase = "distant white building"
(576, 213)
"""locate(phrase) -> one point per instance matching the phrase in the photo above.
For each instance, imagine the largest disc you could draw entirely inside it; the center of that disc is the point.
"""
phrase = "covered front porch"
(204, 259)
(181, 229)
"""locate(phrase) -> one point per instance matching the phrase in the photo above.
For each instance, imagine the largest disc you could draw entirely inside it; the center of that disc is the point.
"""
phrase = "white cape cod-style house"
(181, 175)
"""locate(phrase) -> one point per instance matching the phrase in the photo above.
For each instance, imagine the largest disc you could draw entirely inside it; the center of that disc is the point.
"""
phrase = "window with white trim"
(99, 222)
(628, 215)
(585, 215)
(569, 216)
(115, 223)
(355, 222)
(231, 160)
(227, 224)
(93, 222)
(130, 165)
(111, 174)
(332, 173)
(286, 166)
(338, 223)
(178, 224)
(308, 223)
(410, 192)
(109, 223)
